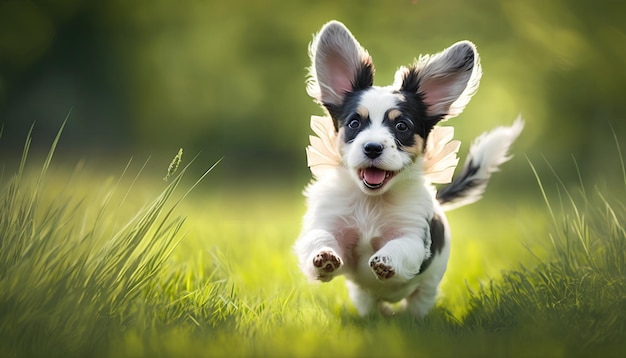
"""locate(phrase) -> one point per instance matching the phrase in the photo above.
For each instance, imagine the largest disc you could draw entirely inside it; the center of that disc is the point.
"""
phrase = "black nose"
(373, 150)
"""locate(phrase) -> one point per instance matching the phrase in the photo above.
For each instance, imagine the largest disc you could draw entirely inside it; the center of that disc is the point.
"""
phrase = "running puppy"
(373, 215)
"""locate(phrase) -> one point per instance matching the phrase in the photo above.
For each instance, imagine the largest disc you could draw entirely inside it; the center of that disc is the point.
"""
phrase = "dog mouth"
(375, 178)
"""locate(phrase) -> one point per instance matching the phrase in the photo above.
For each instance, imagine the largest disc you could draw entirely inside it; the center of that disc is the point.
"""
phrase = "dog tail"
(486, 154)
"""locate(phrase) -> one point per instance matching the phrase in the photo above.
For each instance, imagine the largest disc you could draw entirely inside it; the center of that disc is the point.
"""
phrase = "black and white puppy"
(375, 218)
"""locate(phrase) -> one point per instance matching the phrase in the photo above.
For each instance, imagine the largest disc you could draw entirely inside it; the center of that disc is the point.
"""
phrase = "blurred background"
(227, 78)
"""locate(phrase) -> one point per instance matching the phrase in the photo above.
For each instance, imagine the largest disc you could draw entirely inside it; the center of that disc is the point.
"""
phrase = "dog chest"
(369, 225)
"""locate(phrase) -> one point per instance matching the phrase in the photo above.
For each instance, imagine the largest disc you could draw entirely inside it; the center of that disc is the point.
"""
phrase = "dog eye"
(402, 127)
(354, 122)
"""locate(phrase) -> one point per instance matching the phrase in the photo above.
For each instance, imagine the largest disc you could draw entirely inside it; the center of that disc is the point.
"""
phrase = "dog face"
(383, 130)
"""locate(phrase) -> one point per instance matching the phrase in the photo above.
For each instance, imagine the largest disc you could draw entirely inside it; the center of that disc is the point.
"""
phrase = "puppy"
(374, 216)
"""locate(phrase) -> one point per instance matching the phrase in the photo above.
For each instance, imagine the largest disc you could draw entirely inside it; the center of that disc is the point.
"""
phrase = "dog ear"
(445, 81)
(339, 65)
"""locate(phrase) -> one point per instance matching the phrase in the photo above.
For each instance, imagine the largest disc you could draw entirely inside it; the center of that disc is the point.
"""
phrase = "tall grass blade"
(619, 153)
(68, 291)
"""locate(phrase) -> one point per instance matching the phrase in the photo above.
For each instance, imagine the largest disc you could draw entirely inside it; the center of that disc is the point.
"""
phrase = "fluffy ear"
(445, 81)
(339, 65)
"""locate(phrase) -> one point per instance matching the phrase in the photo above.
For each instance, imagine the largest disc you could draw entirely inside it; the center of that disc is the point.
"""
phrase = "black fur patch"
(350, 133)
(364, 79)
(364, 76)
(344, 113)
(414, 105)
(410, 104)
(460, 184)
(437, 237)
(403, 139)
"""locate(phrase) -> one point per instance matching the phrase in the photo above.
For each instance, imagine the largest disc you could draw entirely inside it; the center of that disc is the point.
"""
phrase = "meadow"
(121, 263)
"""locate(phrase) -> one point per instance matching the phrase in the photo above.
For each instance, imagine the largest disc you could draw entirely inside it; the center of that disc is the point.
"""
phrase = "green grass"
(125, 264)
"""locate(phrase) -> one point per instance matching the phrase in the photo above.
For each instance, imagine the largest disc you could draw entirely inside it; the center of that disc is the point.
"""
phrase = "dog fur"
(374, 218)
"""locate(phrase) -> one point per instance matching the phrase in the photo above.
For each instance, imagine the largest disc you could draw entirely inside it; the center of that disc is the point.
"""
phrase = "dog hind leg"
(422, 300)
(364, 302)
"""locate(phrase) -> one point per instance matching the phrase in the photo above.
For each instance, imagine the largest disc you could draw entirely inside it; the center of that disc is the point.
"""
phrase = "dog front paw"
(326, 263)
(382, 267)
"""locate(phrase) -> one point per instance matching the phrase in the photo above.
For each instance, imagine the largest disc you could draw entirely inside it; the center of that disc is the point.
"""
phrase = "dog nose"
(373, 150)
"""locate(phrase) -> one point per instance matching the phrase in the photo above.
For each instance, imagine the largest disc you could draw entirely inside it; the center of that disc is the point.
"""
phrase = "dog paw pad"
(326, 262)
(381, 265)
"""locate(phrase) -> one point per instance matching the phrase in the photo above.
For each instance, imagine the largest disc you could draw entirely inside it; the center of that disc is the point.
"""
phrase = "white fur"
(377, 101)
(343, 219)
(327, 83)
(459, 88)
(365, 234)
(487, 153)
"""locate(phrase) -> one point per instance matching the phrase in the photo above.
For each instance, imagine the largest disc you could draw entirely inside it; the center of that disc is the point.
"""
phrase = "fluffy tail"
(486, 154)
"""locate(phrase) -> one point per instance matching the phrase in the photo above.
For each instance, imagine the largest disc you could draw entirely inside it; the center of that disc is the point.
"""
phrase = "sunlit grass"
(578, 295)
(118, 264)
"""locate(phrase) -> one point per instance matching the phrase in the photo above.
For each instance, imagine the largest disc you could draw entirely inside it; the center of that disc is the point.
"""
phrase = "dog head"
(383, 130)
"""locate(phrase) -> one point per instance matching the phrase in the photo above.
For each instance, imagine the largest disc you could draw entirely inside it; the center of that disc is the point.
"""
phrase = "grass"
(90, 267)
(579, 295)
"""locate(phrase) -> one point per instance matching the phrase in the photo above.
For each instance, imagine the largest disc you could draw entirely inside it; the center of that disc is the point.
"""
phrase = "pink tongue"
(374, 176)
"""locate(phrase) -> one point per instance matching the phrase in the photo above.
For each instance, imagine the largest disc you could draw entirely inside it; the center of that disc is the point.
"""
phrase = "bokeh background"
(226, 78)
